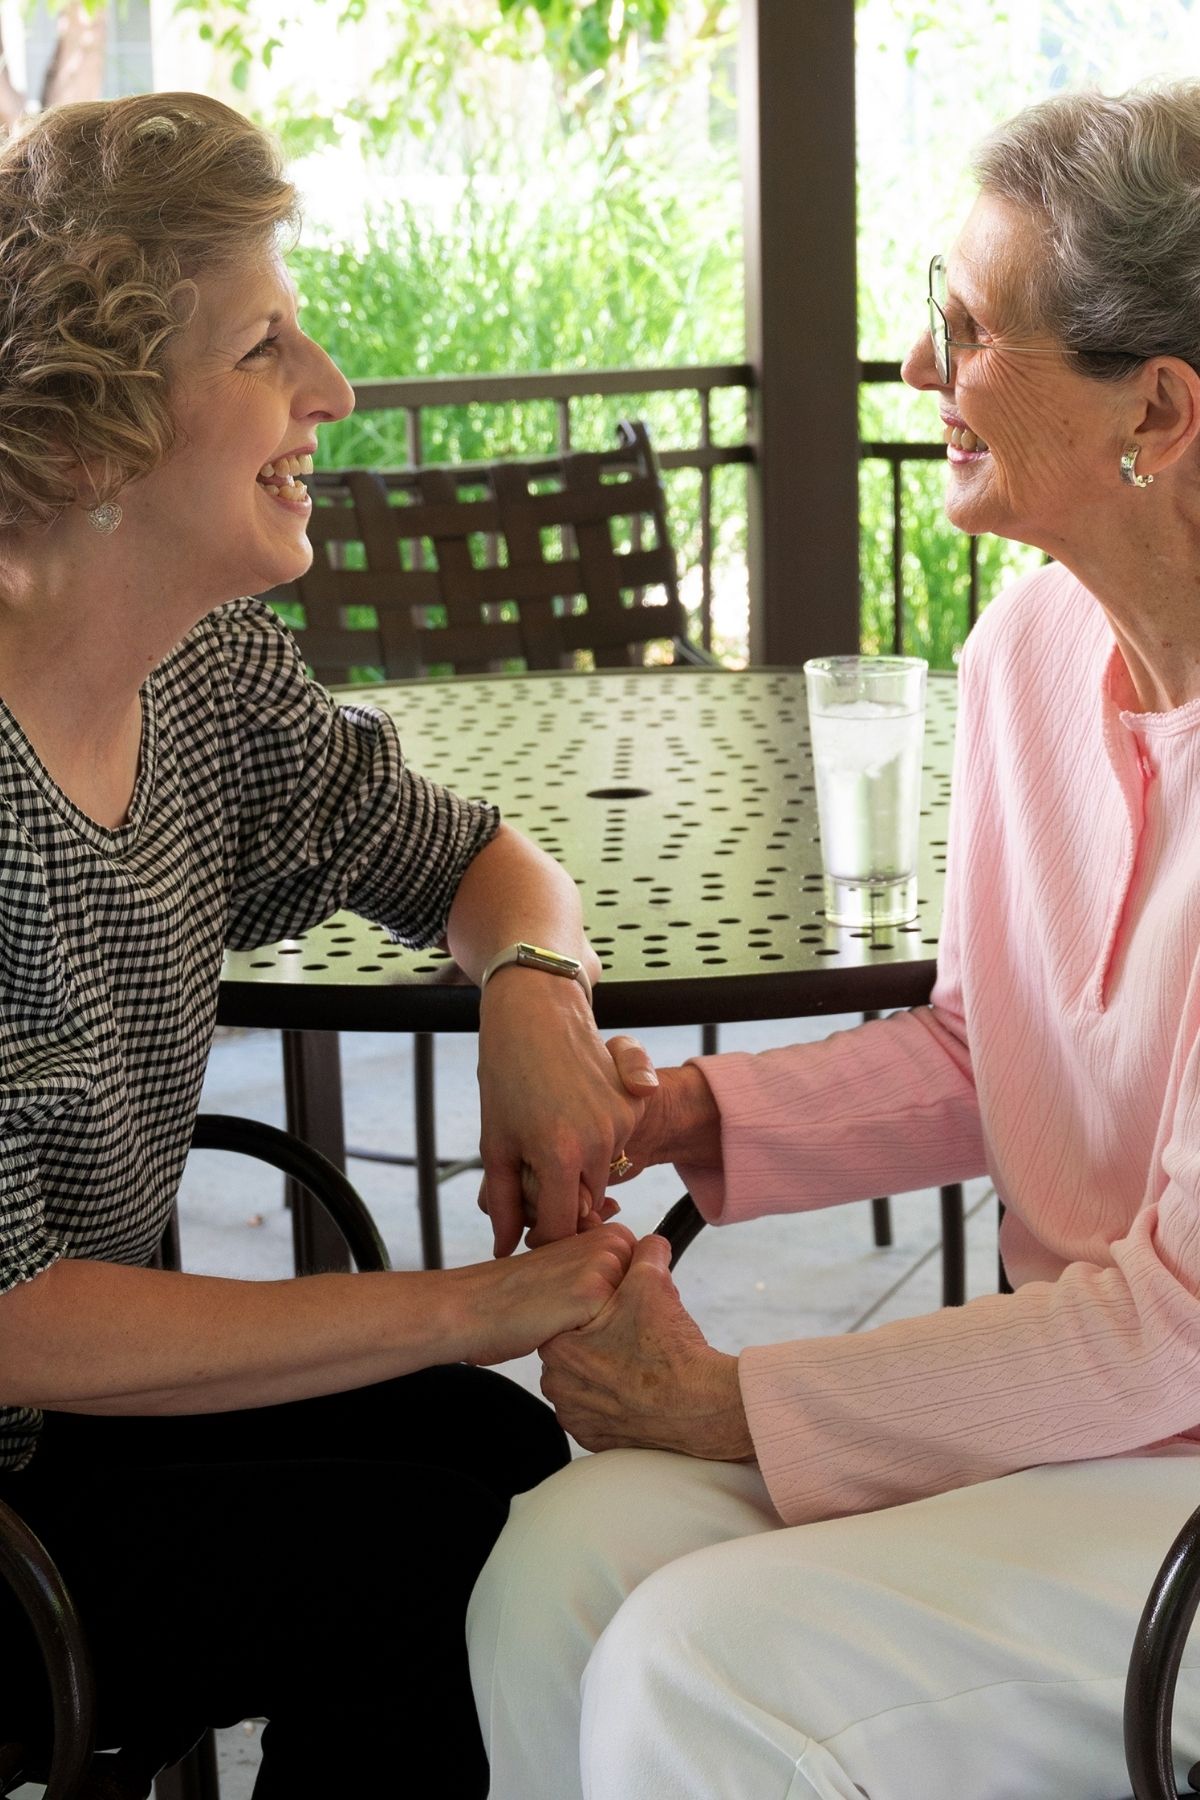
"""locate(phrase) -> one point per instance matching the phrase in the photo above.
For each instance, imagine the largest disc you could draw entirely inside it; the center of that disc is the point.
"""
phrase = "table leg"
(312, 1085)
(428, 1173)
(954, 1246)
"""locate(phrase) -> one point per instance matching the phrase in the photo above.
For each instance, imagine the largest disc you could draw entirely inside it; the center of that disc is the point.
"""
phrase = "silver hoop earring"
(1129, 470)
(106, 517)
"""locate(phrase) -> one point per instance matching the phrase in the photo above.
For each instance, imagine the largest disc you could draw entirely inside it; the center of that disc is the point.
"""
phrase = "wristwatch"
(532, 956)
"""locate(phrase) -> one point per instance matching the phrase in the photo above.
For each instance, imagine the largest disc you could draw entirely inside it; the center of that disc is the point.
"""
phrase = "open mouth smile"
(962, 444)
(279, 480)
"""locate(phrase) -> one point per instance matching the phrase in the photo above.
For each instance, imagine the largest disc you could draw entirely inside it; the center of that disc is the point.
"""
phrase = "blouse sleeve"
(44, 1052)
(1100, 1362)
(331, 815)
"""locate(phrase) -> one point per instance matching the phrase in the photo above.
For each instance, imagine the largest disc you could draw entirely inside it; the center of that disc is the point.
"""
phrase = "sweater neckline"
(1119, 691)
(109, 839)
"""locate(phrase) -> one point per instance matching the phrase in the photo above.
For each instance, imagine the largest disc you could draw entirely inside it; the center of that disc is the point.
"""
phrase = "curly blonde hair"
(109, 210)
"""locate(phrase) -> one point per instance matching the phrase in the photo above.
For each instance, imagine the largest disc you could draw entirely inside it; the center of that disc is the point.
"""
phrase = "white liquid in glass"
(867, 758)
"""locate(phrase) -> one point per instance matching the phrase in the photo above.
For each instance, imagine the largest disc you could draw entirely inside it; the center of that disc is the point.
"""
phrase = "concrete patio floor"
(768, 1280)
(772, 1279)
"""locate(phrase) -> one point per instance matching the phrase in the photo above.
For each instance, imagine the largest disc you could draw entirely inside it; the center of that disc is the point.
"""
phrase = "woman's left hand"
(555, 1112)
(642, 1374)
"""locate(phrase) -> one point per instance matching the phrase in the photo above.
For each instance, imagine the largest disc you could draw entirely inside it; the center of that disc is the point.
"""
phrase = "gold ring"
(619, 1166)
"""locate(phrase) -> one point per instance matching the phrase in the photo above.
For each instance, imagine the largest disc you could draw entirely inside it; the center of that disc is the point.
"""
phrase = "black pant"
(308, 1563)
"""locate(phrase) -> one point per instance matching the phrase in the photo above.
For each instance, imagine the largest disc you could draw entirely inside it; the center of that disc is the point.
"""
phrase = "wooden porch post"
(796, 103)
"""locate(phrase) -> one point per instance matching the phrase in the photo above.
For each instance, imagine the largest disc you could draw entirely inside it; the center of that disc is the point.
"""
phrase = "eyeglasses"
(943, 343)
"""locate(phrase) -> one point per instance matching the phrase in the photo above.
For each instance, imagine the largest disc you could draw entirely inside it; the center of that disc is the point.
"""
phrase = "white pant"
(645, 1619)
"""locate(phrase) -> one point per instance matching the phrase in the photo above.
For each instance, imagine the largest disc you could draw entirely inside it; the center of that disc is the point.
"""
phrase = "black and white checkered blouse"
(260, 808)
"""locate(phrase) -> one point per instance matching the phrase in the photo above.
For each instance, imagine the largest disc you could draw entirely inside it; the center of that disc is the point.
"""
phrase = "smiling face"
(248, 391)
(1033, 445)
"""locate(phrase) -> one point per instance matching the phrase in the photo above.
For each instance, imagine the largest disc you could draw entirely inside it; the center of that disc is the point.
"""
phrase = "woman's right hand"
(516, 1303)
(681, 1121)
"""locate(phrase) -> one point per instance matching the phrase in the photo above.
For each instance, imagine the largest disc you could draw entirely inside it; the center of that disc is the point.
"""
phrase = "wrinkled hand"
(509, 1306)
(642, 1374)
(680, 1119)
(555, 1112)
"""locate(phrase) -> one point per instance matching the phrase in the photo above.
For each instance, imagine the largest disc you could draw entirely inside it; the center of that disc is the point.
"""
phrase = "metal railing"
(896, 455)
(416, 396)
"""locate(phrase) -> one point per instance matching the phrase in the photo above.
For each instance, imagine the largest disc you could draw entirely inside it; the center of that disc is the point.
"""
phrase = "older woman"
(909, 1563)
(171, 782)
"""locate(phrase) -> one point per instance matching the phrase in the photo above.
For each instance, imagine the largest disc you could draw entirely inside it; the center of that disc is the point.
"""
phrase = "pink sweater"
(1060, 1054)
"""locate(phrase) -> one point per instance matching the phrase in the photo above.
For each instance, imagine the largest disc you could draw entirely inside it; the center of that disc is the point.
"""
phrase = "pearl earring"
(1129, 470)
(106, 518)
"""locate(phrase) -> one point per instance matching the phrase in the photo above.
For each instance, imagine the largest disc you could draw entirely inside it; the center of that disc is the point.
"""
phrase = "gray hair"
(1115, 185)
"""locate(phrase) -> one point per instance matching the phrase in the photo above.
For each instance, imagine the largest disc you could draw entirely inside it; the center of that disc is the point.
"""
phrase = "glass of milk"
(867, 719)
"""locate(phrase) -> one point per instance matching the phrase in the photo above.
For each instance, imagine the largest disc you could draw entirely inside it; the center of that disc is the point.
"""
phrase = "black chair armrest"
(30, 1571)
(681, 1226)
(1158, 1647)
(315, 1173)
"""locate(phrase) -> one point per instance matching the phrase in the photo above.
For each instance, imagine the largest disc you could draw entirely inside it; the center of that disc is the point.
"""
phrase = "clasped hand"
(557, 1111)
(558, 1107)
(642, 1374)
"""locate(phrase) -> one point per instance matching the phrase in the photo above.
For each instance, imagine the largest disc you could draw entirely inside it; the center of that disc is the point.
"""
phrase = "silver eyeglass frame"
(944, 344)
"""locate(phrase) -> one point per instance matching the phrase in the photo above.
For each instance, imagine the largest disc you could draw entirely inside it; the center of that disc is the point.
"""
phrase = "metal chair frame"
(27, 1567)
(474, 567)
(74, 1771)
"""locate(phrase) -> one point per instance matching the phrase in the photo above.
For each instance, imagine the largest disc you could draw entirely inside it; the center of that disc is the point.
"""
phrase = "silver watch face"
(533, 957)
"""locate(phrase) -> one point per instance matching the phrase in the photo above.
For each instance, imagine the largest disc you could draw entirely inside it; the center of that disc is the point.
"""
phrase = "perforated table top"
(682, 801)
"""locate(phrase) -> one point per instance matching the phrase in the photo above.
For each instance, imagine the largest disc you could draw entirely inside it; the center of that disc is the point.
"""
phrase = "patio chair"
(543, 563)
(1162, 1631)
(477, 567)
(179, 1758)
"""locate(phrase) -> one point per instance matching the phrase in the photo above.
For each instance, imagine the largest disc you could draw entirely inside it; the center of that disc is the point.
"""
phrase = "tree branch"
(12, 102)
(76, 70)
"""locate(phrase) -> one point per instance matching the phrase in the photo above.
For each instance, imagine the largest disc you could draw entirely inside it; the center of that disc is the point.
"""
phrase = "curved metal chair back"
(30, 1571)
(314, 1172)
(475, 566)
(1158, 1647)
(681, 1226)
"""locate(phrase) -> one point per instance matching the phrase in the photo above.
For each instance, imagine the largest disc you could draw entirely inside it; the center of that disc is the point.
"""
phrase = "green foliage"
(633, 270)
(588, 219)
(582, 36)
(235, 28)
(931, 80)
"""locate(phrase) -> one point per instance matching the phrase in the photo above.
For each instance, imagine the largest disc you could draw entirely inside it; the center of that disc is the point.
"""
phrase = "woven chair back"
(487, 566)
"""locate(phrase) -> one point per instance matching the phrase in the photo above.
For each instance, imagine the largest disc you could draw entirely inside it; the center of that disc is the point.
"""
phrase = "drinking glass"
(867, 719)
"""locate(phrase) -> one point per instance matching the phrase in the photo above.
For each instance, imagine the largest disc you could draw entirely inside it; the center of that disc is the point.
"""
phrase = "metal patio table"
(682, 801)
